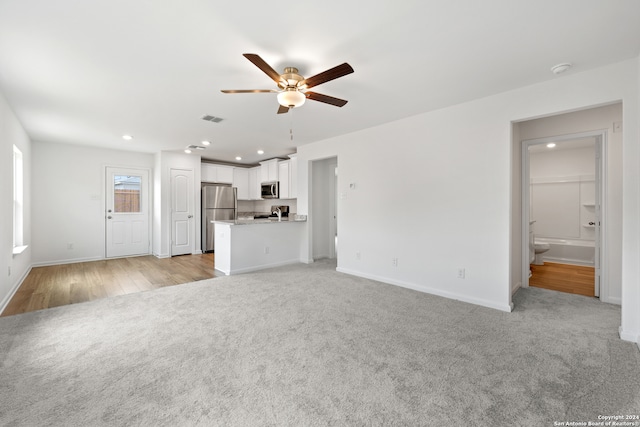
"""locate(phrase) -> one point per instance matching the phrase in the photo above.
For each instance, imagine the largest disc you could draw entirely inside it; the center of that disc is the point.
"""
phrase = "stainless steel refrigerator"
(219, 202)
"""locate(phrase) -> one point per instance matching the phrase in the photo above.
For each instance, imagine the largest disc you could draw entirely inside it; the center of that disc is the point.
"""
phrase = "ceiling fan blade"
(325, 76)
(326, 99)
(248, 91)
(266, 68)
(282, 109)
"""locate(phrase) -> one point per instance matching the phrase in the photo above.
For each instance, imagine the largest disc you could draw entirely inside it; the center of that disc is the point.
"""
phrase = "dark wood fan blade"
(326, 99)
(325, 76)
(249, 91)
(266, 68)
(282, 109)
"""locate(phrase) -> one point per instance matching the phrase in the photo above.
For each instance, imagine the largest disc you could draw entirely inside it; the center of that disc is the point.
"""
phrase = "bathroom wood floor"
(572, 279)
(52, 286)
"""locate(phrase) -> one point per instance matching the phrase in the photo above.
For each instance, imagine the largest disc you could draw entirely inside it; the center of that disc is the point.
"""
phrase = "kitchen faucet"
(278, 211)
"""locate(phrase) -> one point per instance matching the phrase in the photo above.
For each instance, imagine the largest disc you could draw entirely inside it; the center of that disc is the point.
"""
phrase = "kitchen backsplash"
(265, 205)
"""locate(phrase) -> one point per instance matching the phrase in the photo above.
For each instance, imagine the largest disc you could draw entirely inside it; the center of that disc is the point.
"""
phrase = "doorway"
(562, 197)
(127, 212)
(324, 213)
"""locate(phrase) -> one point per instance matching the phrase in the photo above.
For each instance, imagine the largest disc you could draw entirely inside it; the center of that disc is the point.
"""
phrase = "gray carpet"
(305, 345)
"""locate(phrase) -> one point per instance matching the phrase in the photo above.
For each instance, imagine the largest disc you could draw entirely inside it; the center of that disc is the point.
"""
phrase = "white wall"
(68, 199)
(435, 190)
(601, 118)
(164, 162)
(562, 181)
(556, 162)
(12, 133)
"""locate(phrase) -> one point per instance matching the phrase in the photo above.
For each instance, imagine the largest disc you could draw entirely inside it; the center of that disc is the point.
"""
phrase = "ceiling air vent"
(196, 147)
(213, 119)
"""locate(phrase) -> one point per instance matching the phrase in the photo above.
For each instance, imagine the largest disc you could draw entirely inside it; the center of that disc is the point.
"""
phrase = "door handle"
(190, 216)
(109, 217)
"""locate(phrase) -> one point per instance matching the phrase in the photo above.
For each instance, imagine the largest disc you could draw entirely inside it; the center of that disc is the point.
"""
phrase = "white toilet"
(536, 249)
(539, 249)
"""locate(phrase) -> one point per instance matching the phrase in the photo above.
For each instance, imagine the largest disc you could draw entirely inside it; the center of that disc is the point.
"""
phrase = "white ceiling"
(87, 72)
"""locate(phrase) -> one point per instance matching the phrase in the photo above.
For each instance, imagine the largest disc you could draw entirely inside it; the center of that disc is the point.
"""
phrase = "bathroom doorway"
(562, 212)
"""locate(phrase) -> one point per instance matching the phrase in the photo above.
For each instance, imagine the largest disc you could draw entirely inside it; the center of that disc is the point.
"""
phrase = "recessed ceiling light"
(260, 151)
(127, 137)
(560, 68)
(238, 158)
(206, 142)
(551, 144)
(187, 151)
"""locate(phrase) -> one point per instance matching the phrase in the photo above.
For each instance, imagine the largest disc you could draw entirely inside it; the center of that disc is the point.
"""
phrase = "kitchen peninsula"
(255, 244)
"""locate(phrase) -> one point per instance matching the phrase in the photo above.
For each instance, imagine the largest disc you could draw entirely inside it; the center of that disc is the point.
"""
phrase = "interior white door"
(182, 209)
(127, 216)
(598, 212)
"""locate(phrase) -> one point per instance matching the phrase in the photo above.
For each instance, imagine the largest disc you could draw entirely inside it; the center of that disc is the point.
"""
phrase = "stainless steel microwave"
(270, 190)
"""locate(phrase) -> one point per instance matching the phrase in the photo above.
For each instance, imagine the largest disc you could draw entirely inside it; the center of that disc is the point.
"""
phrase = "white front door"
(127, 216)
(182, 209)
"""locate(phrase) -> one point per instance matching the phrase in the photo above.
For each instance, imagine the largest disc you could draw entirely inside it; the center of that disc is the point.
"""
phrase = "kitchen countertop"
(257, 221)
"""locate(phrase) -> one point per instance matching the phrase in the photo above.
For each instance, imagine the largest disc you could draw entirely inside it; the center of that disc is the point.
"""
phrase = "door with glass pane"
(127, 212)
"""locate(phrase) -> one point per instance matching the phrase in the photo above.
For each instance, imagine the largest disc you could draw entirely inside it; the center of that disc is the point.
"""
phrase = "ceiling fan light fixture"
(291, 98)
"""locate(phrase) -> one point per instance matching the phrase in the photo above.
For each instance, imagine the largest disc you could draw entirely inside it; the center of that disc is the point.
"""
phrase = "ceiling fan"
(292, 87)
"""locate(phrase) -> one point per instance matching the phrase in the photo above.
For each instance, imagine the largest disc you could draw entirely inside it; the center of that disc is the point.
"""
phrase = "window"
(126, 193)
(18, 202)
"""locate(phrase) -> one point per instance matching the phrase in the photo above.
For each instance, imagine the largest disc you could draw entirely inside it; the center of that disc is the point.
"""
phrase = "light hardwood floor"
(56, 285)
(573, 279)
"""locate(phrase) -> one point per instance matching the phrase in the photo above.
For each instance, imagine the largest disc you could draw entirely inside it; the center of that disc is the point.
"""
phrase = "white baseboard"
(7, 298)
(259, 267)
(629, 336)
(612, 300)
(428, 290)
(66, 261)
(515, 288)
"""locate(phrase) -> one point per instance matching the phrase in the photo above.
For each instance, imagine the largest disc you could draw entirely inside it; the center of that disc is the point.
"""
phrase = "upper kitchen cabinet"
(254, 183)
(293, 176)
(288, 177)
(269, 170)
(216, 173)
(283, 174)
(241, 182)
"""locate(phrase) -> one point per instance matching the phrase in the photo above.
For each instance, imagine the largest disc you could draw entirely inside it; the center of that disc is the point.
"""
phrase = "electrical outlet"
(266, 249)
(358, 255)
(394, 262)
(461, 273)
(69, 245)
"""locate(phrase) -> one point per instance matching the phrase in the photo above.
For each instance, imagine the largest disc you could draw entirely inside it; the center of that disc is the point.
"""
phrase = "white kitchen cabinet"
(293, 176)
(208, 173)
(216, 173)
(241, 182)
(283, 174)
(269, 170)
(254, 183)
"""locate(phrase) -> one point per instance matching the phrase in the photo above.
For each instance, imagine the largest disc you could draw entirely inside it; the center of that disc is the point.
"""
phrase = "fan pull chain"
(291, 124)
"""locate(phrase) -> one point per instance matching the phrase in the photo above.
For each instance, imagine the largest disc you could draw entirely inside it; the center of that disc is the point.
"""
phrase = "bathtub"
(567, 251)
